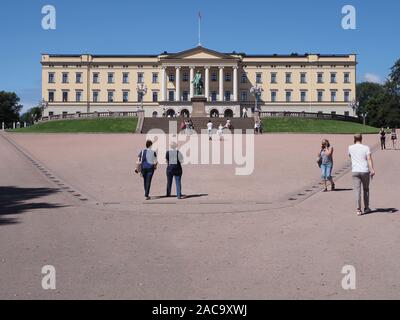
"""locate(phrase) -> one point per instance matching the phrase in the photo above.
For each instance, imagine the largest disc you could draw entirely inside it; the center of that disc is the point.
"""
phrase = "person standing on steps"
(363, 171)
(326, 160)
(209, 129)
(382, 135)
(244, 112)
(174, 160)
(148, 165)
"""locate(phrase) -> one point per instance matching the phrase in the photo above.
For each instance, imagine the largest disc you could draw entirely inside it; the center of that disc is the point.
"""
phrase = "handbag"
(319, 160)
(139, 164)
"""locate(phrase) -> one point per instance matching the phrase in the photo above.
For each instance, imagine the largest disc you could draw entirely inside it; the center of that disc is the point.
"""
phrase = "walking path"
(197, 249)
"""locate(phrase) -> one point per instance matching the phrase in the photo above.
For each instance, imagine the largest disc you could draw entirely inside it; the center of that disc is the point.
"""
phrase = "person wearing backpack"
(174, 160)
(148, 164)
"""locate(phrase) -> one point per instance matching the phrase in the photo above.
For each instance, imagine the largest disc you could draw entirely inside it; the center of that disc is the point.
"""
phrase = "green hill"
(128, 125)
(109, 125)
(296, 125)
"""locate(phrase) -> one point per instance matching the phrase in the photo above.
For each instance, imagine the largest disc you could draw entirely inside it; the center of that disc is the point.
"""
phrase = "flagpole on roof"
(199, 29)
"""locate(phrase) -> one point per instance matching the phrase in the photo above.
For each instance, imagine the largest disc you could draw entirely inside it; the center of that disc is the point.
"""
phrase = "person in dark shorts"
(394, 138)
(382, 135)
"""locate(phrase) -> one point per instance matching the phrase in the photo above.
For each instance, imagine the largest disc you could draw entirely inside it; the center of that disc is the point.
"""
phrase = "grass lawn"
(120, 125)
(294, 125)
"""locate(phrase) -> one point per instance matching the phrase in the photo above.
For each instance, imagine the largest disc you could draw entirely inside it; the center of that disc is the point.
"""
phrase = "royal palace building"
(109, 83)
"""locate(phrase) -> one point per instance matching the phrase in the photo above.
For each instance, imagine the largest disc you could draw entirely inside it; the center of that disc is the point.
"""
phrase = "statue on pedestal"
(198, 84)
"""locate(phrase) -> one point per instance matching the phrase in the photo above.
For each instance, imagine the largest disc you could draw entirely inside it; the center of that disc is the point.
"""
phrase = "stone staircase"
(199, 124)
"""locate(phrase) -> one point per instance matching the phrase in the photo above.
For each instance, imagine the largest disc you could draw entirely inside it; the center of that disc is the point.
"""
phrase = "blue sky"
(150, 27)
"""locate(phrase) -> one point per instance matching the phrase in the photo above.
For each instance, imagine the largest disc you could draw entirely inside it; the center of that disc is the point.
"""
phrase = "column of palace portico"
(207, 69)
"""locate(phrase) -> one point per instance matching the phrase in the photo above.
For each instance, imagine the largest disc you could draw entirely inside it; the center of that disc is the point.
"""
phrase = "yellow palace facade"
(109, 83)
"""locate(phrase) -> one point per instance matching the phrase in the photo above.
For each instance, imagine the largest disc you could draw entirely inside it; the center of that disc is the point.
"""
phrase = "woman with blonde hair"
(325, 159)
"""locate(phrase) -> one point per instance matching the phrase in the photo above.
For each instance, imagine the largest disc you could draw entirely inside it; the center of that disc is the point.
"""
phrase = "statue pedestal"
(199, 106)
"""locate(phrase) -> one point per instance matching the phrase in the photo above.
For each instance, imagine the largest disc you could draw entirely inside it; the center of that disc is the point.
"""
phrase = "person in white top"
(363, 170)
(220, 131)
(210, 129)
(244, 112)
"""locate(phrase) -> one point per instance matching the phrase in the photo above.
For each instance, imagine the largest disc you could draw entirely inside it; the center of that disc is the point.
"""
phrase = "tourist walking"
(174, 160)
(326, 163)
(209, 129)
(244, 112)
(147, 160)
(363, 170)
(394, 138)
(220, 132)
(382, 135)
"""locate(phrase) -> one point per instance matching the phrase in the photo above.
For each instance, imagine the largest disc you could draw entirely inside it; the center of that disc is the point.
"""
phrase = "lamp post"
(257, 92)
(365, 115)
(142, 91)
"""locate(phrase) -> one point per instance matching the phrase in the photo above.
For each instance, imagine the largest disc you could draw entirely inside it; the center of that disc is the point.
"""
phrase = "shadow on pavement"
(183, 196)
(14, 200)
(342, 190)
(383, 210)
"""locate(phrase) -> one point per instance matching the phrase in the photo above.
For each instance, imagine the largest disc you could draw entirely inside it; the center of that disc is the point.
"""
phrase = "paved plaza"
(73, 201)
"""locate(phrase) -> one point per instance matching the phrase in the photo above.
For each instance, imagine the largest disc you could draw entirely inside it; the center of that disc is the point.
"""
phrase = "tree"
(395, 76)
(9, 108)
(32, 115)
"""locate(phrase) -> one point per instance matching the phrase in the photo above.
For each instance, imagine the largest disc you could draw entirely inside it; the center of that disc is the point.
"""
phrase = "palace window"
(51, 96)
(155, 77)
(333, 77)
(288, 96)
(244, 78)
(303, 96)
(155, 96)
(171, 77)
(303, 77)
(346, 96)
(347, 77)
(320, 77)
(214, 77)
(52, 77)
(110, 96)
(243, 96)
(288, 77)
(65, 96)
(78, 77)
(95, 77)
(95, 96)
(125, 96)
(320, 96)
(185, 77)
(227, 96)
(111, 77)
(258, 77)
(228, 77)
(171, 95)
(273, 77)
(333, 96)
(213, 96)
(65, 77)
(125, 77)
(185, 96)
(140, 78)
(273, 96)
(78, 96)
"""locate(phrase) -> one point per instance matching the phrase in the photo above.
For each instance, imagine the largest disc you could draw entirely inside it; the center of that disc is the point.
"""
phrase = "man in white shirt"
(363, 170)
